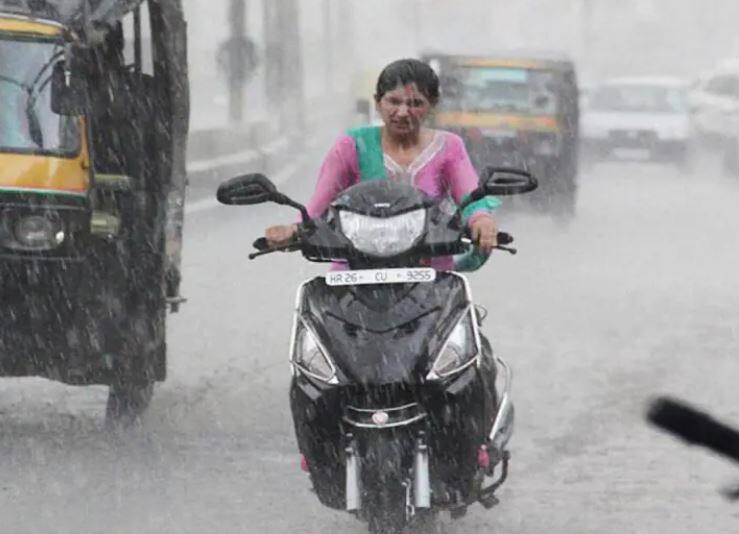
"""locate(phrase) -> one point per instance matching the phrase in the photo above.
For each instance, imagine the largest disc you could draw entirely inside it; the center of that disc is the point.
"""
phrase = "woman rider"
(434, 161)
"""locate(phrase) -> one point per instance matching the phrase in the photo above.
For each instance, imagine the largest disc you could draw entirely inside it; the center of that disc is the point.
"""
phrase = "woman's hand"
(484, 233)
(281, 234)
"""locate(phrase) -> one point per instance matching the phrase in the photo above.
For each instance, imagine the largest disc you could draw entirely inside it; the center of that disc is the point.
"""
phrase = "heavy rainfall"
(154, 379)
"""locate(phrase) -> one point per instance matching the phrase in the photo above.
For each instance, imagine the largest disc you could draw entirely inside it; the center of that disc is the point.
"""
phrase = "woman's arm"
(339, 171)
(462, 180)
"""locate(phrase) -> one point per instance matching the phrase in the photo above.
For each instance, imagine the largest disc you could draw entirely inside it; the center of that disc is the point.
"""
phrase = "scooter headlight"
(383, 236)
(459, 351)
(310, 357)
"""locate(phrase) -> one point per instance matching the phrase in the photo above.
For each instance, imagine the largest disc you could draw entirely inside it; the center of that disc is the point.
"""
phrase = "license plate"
(381, 276)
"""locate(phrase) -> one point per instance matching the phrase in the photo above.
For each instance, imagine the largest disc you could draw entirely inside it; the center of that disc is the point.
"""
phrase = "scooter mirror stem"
(285, 200)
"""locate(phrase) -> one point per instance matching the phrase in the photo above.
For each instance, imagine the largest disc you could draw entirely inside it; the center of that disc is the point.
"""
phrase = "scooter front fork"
(419, 494)
(421, 477)
(353, 476)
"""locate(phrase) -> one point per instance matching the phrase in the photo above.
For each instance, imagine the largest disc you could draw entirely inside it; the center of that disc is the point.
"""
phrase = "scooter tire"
(388, 515)
(385, 491)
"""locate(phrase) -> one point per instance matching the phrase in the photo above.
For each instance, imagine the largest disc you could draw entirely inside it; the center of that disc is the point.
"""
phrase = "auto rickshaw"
(93, 127)
(363, 88)
(514, 110)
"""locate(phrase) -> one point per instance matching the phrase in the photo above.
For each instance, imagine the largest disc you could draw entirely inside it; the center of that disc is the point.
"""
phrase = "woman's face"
(404, 109)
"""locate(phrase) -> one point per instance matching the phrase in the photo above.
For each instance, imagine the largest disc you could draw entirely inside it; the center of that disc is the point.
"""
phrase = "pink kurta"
(442, 170)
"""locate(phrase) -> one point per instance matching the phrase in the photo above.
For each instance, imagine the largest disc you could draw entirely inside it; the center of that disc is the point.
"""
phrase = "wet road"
(638, 295)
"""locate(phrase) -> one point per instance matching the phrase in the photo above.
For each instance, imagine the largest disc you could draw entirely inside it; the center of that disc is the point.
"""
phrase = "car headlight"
(459, 350)
(310, 357)
(383, 236)
(33, 232)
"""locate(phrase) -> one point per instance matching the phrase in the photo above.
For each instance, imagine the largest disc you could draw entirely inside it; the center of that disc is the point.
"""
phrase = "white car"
(714, 104)
(645, 116)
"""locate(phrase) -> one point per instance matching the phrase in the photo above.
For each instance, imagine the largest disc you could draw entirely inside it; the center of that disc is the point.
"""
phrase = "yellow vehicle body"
(512, 111)
(47, 174)
(501, 63)
(505, 121)
(43, 173)
(24, 26)
(520, 121)
(482, 121)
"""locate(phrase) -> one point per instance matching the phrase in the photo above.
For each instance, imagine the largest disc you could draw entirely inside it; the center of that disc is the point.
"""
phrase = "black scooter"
(394, 396)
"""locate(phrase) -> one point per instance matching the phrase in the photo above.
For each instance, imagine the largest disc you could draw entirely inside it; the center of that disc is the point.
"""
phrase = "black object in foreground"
(694, 426)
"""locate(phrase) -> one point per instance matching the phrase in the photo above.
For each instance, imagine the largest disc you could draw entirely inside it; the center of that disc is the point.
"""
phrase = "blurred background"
(335, 40)
(265, 73)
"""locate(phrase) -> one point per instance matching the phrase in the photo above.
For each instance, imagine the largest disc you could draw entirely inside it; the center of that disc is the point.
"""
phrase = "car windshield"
(639, 98)
(27, 123)
(496, 89)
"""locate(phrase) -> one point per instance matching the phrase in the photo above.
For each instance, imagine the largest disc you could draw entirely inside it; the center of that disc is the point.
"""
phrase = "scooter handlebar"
(261, 244)
(263, 247)
(504, 238)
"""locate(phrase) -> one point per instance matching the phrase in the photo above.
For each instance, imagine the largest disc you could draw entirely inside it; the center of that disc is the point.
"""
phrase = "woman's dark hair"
(405, 71)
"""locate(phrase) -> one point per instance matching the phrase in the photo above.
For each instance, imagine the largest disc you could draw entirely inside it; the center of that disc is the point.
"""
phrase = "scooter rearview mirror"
(501, 181)
(246, 190)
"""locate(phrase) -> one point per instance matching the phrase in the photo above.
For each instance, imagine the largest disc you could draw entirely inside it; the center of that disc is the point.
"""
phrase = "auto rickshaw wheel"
(127, 401)
(140, 364)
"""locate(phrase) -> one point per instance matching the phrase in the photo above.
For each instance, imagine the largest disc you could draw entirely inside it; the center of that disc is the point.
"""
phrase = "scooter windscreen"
(382, 224)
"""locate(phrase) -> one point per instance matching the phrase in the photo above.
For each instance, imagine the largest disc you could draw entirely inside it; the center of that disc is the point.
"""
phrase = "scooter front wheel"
(385, 487)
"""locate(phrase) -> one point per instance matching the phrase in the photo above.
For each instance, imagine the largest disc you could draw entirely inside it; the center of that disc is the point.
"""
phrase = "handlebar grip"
(504, 238)
(261, 244)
